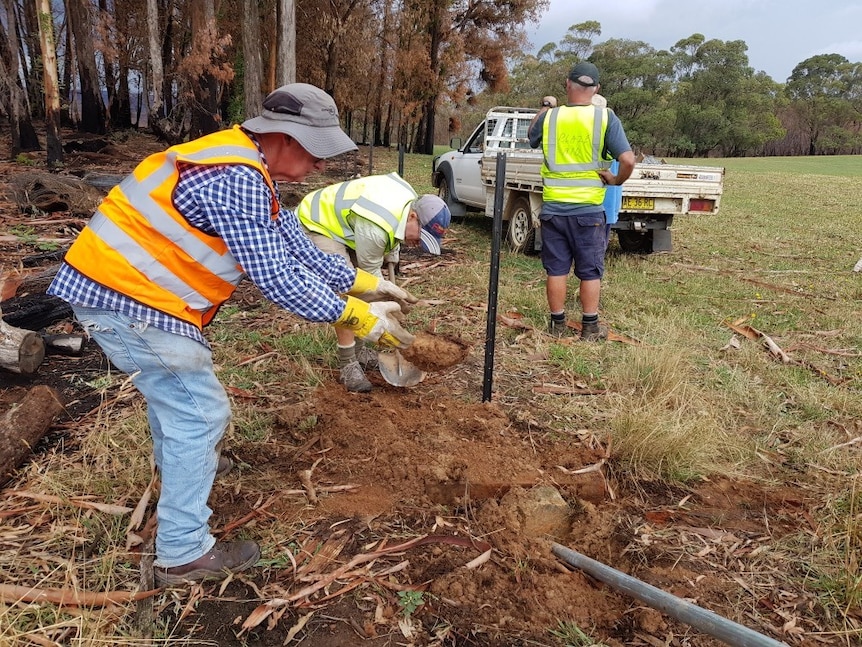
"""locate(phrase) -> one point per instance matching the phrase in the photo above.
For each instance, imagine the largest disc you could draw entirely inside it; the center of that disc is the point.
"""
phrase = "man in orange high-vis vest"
(168, 246)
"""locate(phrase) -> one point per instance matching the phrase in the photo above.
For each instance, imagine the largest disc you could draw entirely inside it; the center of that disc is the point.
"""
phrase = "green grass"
(680, 404)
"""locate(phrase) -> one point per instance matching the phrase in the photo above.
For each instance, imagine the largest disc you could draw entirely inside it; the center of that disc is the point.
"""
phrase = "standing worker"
(166, 248)
(579, 141)
(366, 220)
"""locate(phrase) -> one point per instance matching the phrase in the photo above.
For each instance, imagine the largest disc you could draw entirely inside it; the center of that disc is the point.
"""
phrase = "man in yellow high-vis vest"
(579, 142)
(366, 221)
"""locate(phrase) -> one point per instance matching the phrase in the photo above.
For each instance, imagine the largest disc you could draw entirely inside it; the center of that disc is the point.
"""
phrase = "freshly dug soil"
(432, 352)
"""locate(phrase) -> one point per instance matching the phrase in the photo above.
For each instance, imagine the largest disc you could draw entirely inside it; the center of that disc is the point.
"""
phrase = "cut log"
(24, 424)
(21, 351)
(64, 344)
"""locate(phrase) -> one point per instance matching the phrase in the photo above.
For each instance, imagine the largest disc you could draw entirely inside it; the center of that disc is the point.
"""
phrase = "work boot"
(367, 358)
(224, 558)
(225, 465)
(594, 332)
(558, 328)
(354, 378)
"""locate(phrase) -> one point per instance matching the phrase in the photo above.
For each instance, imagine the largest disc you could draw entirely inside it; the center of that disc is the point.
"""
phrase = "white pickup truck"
(652, 196)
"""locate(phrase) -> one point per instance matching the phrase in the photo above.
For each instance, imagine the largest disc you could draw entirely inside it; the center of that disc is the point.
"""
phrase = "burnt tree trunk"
(24, 424)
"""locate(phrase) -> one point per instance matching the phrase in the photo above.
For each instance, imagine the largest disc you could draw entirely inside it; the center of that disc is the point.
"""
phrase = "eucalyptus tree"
(81, 20)
(465, 34)
(819, 89)
(637, 80)
(13, 97)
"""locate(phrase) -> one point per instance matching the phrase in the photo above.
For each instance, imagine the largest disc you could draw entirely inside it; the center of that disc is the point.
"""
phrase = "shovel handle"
(390, 268)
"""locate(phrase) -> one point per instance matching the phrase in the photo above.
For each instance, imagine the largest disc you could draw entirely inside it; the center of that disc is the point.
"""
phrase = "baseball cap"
(584, 73)
(306, 113)
(434, 216)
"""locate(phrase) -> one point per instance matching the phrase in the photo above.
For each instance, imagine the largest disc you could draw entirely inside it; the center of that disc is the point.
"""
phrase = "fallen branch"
(70, 597)
(763, 284)
(233, 525)
(80, 503)
(560, 389)
(775, 350)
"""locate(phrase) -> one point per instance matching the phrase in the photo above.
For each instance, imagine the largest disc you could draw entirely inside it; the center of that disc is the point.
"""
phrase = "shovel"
(397, 371)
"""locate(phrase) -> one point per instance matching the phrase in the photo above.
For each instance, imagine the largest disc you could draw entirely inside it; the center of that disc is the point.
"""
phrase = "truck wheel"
(635, 242)
(521, 234)
(444, 191)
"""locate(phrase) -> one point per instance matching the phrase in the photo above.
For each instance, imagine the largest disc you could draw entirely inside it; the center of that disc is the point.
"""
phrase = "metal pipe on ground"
(691, 614)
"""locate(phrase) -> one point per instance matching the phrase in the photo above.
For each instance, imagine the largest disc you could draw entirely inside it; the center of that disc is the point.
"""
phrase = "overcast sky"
(779, 33)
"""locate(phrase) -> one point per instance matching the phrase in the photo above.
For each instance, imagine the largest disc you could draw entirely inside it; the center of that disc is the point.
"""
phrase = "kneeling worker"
(365, 220)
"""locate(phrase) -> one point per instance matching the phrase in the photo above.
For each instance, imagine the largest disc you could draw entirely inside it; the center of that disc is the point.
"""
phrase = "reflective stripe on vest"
(566, 178)
(138, 244)
(378, 198)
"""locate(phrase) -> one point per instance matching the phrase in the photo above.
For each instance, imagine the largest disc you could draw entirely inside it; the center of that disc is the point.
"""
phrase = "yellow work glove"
(370, 288)
(375, 322)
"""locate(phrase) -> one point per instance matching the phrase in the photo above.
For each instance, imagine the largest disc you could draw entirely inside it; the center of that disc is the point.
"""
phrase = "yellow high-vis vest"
(139, 245)
(378, 198)
(573, 139)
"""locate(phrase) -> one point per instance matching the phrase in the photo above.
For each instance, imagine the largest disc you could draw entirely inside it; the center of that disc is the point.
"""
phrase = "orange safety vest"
(138, 244)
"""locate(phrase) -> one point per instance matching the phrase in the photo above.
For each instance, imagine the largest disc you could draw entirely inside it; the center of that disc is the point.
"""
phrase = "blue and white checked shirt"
(233, 202)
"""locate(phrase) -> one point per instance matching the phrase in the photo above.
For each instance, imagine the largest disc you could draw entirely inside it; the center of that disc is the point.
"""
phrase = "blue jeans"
(188, 412)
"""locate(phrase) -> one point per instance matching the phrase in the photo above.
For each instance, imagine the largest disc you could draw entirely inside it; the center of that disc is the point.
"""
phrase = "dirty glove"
(368, 287)
(375, 322)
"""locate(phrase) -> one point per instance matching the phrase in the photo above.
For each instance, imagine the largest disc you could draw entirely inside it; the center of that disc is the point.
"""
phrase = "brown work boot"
(224, 558)
(354, 378)
(594, 332)
(558, 328)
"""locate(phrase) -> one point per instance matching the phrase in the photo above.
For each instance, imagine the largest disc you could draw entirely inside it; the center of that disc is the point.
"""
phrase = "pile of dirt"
(435, 352)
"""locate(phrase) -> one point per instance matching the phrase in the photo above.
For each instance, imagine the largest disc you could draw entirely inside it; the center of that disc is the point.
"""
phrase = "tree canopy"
(408, 72)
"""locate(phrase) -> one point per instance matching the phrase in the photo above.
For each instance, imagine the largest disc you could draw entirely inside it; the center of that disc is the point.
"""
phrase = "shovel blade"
(397, 371)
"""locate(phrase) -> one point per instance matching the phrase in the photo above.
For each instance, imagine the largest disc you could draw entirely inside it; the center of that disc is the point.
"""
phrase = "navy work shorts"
(578, 240)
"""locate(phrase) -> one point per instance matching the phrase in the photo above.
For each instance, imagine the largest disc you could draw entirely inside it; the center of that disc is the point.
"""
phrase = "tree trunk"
(205, 87)
(286, 29)
(430, 108)
(155, 110)
(28, 56)
(80, 23)
(21, 351)
(24, 424)
(52, 83)
(12, 94)
(108, 64)
(253, 76)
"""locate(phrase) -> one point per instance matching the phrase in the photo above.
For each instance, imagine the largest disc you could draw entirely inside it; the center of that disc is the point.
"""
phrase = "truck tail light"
(699, 204)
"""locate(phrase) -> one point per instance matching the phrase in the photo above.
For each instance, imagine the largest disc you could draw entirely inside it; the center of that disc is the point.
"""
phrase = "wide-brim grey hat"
(306, 113)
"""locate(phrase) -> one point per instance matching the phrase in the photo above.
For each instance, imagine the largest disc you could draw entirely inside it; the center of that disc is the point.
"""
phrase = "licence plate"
(630, 202)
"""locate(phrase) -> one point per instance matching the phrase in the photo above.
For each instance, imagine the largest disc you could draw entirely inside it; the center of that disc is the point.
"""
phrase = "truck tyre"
(521, 234)
(635, 242)
(457, 209)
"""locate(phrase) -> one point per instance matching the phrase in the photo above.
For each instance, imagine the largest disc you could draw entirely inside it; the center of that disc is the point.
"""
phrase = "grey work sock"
(346, 355)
